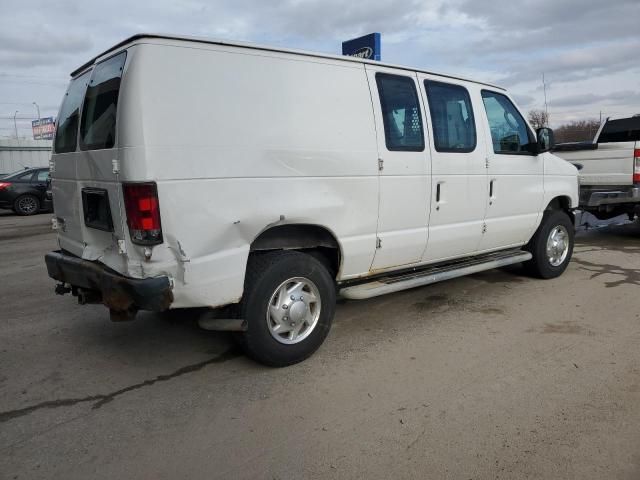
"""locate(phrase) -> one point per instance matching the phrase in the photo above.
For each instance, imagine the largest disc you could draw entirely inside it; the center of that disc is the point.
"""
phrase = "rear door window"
(98, 126)
(69, 116)
(400, 113)
(454, 128)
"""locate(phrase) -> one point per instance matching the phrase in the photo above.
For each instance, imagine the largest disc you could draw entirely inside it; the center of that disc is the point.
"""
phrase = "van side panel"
(558, 174)
(240, 140)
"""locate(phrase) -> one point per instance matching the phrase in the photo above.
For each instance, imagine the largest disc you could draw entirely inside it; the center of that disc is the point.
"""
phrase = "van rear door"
(85, 184)
(404, 169)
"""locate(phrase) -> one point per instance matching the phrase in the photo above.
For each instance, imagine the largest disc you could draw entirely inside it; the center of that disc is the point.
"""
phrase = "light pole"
(546, 108)
(37, 108)
(15, 125)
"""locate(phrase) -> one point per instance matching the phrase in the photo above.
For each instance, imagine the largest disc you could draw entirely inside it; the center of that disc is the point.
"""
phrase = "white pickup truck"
(609, 168)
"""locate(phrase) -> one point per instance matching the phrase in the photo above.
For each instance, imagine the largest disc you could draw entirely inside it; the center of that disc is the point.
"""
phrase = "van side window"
(98, 125)
(509, 132)
(69, 116)
(400, 113)
(454, 128)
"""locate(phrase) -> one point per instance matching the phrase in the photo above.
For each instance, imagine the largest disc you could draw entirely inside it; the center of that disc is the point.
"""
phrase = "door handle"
(438, 193)
(491, 191)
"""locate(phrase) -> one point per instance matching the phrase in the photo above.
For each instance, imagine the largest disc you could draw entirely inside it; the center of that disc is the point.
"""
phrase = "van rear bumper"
(93, 282)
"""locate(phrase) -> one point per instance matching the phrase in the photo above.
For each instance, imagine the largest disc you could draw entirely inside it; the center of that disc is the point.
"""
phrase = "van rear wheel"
(551, 246)
(288, 305)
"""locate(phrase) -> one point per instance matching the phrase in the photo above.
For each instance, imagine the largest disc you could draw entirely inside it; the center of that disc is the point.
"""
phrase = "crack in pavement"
(103, 399)
(630, 275)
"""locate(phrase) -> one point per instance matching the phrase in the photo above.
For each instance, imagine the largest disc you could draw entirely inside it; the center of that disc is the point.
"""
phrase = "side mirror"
(546, 140)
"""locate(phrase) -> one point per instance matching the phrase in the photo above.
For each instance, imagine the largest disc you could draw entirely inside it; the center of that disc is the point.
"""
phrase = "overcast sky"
(589, 50)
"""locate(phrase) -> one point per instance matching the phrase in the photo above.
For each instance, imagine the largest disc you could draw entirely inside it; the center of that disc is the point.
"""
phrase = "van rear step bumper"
(433, 274)
(93, 282)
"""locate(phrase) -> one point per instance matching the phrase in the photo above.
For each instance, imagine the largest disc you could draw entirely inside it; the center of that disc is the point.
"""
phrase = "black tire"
(540, 265)
(266, 272)
(26, 205)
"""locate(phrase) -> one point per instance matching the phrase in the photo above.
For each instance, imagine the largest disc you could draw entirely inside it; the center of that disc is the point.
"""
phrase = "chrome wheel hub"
(293, 310)
(557, 245)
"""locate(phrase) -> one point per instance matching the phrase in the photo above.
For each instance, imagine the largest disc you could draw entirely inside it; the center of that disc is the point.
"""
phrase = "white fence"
(16, 154)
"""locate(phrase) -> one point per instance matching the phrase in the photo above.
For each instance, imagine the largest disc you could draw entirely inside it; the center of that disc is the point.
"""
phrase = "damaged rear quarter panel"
(209, 260)
(222, 179)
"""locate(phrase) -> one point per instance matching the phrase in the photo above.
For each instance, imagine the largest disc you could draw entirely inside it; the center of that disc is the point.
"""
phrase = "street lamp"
(37, 108)
(15, 125)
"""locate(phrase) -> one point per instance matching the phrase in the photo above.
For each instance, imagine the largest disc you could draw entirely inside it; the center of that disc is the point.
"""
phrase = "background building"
(16, 154)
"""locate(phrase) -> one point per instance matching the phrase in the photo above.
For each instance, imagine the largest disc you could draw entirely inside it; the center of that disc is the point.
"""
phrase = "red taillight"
(143, 213)
(4, 185)
(636, 165)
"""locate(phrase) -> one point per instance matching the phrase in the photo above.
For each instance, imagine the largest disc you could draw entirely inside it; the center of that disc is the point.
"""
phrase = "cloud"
(579, 63)
(532, 25)
(587, 48)
(523, 101)
(47, 41)
(625, 97)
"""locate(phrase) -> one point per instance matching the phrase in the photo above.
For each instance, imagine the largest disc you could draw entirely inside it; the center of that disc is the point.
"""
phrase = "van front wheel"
(288, 305)
(551, 246)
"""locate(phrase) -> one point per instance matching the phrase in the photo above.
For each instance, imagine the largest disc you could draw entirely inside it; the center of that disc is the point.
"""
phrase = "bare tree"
(538, 118)
(577, 131)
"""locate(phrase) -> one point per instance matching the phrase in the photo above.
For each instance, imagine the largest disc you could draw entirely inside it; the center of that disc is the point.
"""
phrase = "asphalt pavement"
(495, 375)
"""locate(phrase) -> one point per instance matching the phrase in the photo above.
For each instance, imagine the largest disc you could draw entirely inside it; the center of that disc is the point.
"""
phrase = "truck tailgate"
(609, 164)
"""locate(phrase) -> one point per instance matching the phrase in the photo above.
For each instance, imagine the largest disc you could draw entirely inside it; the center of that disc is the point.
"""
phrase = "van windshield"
(98, 126)
(68, 118)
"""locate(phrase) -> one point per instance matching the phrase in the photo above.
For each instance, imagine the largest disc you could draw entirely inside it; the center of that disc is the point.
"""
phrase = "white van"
(195, 173)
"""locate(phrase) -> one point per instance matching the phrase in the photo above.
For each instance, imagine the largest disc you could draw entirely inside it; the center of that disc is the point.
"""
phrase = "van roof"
(254, 46)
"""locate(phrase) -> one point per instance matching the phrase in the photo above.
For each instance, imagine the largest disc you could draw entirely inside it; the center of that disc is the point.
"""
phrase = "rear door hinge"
(486, 162)
(122, 247)
(380, 164)
(115, 164)
(378, 243)
(484, 228)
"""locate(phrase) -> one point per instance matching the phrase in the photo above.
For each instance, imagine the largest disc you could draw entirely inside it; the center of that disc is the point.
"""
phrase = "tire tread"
(255, 343)
(539, 266)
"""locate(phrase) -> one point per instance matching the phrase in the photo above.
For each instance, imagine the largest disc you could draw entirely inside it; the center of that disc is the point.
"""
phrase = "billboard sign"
(363, 47)
(43, 128)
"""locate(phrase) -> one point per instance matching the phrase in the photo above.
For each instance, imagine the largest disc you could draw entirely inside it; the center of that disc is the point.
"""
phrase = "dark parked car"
(25, 192)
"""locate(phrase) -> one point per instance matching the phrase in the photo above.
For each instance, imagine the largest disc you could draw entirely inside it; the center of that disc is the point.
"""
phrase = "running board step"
(390, 284)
